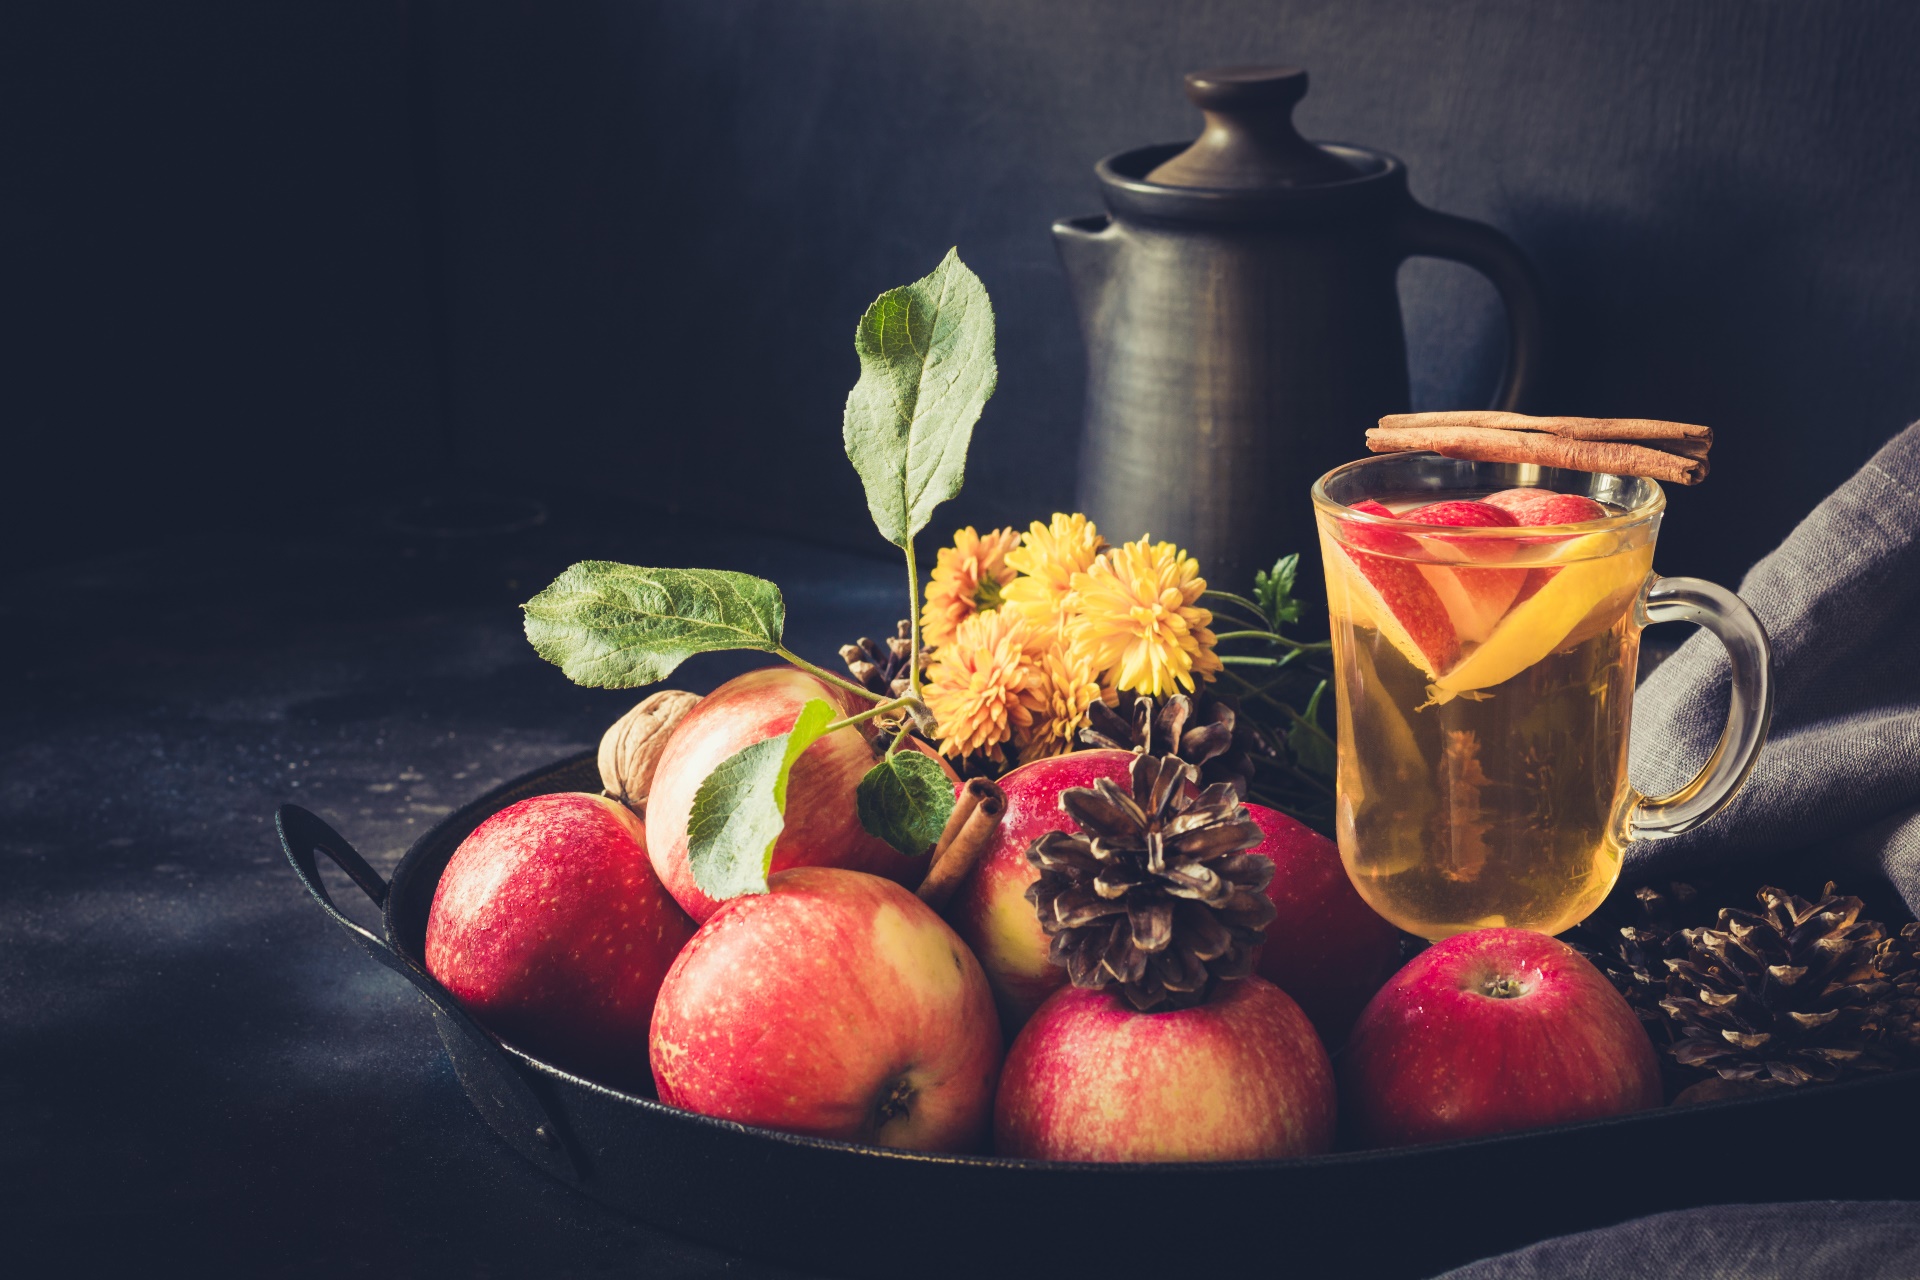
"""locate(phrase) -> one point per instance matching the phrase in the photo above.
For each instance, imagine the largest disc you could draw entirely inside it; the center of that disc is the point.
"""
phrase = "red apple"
(1490, 1031)
(550, 927)
(1536, 508)
(1394, 591)
(991, 912)
(1459, 514)
(1511, 500)
(1241, 1077)
(1326, 947)
(822, 823)
(1475, 598)
(836, 1004)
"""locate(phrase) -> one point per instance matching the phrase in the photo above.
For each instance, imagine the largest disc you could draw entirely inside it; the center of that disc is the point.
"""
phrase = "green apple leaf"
(905, 800)
(1311, 746)
(615, 626)
(926, 370)
(741, 808)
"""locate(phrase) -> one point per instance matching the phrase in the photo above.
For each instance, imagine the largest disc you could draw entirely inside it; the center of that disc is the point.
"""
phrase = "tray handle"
(498, 1090)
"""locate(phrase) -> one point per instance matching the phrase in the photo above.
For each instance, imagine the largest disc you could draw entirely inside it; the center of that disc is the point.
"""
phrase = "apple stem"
(900, 738)
(828, 676)
(898, 1102)
(913, 622)
(896, 705)
(1502, 988)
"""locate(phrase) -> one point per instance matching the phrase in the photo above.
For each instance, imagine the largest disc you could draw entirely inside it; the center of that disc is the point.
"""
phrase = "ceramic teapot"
(1243, 326)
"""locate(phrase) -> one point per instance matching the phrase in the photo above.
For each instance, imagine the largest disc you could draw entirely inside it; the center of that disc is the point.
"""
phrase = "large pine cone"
(1785, 996)
(1898, 962)
(1157, 895)
(1632, 935)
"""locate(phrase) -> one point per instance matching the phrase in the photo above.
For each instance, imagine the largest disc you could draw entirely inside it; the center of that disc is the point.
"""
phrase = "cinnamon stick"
(1488, 444)
(1619, 430)
(969, 830)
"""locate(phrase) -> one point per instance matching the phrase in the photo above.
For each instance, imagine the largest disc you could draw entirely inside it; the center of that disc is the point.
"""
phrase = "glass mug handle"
(1748, 710)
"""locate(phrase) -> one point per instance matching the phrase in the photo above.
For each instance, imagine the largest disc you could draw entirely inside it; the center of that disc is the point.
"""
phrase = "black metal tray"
(849, 1210)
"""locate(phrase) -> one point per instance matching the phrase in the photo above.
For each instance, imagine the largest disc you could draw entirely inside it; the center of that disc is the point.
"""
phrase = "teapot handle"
(1424, 233)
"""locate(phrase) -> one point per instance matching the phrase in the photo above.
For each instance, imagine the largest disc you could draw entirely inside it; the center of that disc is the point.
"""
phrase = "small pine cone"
(1206, 730)
(882, 668)
(1632, 935)
(1157, 894)
(1785, 996)
(1898, 963)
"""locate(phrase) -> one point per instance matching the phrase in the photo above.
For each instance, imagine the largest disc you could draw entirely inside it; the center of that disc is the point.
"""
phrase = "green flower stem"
(1221, 615)
(1274, 637)
(896, 705)
(1266, 636)
(1260, 692)
(1250, 689)
(1292, 771)
(1320, 646)
(1231, 598)
(1247, 660)
(828, 676)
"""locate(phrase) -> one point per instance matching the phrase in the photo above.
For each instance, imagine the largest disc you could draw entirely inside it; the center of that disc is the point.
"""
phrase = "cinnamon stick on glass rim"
(1674, 452)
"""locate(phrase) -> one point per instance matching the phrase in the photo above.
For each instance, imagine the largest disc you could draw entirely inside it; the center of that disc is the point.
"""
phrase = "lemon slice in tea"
(1541, 624)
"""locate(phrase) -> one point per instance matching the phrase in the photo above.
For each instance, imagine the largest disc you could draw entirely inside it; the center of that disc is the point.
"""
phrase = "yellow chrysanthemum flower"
(1134, 614)
(967, 579)
(1047, 558)
(1071, 687)
(985, 686)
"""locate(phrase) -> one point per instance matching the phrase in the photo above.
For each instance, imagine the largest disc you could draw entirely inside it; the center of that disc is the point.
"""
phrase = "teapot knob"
(1250, 139)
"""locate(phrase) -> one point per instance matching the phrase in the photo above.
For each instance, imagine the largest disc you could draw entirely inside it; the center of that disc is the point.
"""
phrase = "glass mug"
(1485, 681)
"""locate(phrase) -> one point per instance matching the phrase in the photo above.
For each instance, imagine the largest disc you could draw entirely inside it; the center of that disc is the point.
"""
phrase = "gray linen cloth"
(1822, 1240)
(1838, 783)
(1837, 789)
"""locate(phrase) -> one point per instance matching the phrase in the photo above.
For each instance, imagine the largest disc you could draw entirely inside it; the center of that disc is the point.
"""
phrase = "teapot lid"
(1250, 140)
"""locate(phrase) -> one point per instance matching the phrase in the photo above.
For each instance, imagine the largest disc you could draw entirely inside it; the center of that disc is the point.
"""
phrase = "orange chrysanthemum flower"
(1134, 614)
(967, 578)
(1071, 687)
(985, 686)
(1048, 557)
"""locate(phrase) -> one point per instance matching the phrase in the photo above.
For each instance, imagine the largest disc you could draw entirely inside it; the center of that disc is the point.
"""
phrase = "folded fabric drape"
(1818, 1240)
(1838, 784)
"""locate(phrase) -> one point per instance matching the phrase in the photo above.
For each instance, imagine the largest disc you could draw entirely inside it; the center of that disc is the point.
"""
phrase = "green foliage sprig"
(926, 372)
(1281, 684)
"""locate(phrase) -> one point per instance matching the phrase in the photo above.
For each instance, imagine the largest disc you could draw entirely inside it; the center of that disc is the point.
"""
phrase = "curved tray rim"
(536, 782)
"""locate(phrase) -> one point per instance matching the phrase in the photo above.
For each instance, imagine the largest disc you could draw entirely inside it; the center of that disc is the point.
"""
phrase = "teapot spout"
(1088, 247)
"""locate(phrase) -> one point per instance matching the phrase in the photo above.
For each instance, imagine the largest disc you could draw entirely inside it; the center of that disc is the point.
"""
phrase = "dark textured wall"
(211, 267)
(666, 220)
(629, 241)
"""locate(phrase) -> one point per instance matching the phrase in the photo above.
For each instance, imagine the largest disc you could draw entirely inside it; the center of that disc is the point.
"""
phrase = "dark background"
(276, 272)
(267, 255)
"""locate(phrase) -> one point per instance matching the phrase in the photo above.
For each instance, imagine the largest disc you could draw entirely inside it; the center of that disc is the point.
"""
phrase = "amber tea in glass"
(1485, 679)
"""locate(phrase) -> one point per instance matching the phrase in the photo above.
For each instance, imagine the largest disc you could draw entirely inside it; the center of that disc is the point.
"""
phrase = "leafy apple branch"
(926, 371)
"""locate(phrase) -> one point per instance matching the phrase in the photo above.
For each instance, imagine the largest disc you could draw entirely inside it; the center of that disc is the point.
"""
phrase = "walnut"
(631, 748)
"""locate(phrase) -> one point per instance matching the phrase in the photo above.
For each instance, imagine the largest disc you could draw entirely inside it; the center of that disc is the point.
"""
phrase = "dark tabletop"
(197, 1069)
